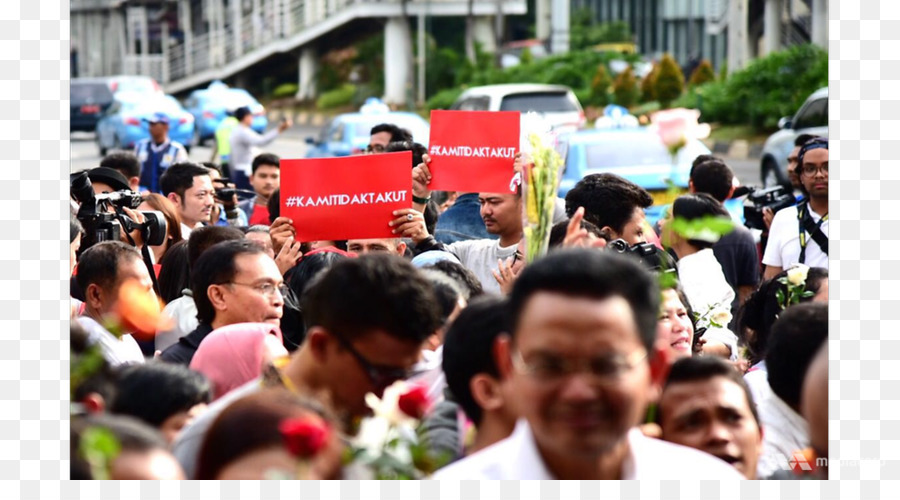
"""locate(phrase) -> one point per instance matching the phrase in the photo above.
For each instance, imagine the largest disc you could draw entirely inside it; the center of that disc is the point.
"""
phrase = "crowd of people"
(627, 352)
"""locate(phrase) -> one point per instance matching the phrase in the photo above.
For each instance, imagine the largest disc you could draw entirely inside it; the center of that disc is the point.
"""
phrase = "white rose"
(721, 318)
(797, 275)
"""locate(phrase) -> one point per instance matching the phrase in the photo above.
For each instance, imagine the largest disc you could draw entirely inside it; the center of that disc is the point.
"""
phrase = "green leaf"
(99, 447)
(779, 295)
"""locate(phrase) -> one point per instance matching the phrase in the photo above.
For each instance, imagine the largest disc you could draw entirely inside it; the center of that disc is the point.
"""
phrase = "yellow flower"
(797, 275)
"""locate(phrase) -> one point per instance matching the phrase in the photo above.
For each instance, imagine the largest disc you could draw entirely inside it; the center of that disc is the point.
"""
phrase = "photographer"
(226, 211)
(799, 234)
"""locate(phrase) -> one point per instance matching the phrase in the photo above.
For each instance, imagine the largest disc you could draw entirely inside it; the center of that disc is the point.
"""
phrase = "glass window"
(813, 115)
(542, 102)
(89, 93)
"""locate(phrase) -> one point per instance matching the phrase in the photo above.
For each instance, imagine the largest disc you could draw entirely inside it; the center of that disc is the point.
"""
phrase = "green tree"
(600, 86)
(626, 88)
(584, 32)
(526, 58)
(702, 74)
(648, 85)
(669, 81)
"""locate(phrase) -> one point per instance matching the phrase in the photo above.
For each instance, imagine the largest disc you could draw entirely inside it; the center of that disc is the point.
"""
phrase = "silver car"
(557, 104)
(812, 118)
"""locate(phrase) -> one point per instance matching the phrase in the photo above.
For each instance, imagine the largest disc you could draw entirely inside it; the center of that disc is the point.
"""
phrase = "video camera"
(775, 198)
(102, 225)
(646, 253)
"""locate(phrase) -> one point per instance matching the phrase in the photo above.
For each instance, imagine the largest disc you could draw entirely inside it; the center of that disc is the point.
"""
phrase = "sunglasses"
(380, 376)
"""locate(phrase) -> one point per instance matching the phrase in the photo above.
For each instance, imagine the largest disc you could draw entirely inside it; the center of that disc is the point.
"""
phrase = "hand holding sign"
(472, 151)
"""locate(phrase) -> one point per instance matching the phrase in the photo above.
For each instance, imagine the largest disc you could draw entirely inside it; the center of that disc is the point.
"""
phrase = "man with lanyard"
(800, 234)
(158, 152)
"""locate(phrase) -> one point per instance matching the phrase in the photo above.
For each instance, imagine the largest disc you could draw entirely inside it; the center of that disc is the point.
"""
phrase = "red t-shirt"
(260, 215)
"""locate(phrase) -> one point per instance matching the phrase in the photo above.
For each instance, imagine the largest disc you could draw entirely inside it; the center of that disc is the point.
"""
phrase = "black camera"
(100, 224)
(775, 198)
(646, 253)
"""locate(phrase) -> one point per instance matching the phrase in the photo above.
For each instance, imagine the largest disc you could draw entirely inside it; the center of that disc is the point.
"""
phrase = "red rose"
(304, 437)
(414, 402)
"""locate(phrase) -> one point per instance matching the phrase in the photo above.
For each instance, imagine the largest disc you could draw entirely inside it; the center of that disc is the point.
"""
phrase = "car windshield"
(135, 85)
(81, 93)
(623, 150)
(542, 102)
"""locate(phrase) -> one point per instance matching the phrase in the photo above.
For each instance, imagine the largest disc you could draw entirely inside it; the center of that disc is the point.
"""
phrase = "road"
(291, 144)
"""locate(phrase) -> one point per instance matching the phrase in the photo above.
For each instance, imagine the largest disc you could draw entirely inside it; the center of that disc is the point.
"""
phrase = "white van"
(556, 103)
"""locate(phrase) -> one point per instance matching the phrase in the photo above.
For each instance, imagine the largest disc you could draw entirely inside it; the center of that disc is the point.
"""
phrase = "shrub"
(341, 96)
(285, 90)
(669, 81)
(626, 88)
(526, 57)
(648, 85)
(443, 99)
(599, 95)
(703, 73)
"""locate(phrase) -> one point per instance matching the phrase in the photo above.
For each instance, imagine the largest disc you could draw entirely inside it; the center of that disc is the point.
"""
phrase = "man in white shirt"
(243, 140)
(189, 187)
(102, 269)
(799, 233)
(583, 331)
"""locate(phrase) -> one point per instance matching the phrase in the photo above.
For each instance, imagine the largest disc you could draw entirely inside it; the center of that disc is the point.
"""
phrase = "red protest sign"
(473, 151)
(345, 198)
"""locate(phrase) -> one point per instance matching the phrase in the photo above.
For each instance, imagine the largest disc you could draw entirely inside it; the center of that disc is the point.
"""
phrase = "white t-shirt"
(784, 432)
(710, 294)
(517, 457)
(480, 256)
(184, 311)
(783, 248)
(116, 351)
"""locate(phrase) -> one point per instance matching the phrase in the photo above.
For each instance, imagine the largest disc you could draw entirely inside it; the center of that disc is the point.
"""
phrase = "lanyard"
(802, 214)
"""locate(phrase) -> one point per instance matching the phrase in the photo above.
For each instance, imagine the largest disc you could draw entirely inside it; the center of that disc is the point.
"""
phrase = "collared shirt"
(184, 311)
(183, 351)
(517, 457)
(156, 158)
(783, 246)
(116, 351)
(784, 432)
(243, 140)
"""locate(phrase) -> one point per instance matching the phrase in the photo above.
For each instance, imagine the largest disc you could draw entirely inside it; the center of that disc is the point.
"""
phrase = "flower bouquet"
(391, 443)
(540, 182)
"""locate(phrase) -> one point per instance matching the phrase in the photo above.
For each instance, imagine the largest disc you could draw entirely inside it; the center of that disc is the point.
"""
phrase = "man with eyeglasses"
(189, 187)
(799, 234)
(582, 360)
(385, 133)
(232, 282)
(366, 321)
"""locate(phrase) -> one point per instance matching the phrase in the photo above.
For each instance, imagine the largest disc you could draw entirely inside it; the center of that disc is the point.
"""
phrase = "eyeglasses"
(380, 376)
(375, 148)
(516, 257)
(268, 289)
(550, 369)
(813, 169)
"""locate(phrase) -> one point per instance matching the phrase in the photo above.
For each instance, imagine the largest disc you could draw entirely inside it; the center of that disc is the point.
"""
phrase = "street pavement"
(291, 144)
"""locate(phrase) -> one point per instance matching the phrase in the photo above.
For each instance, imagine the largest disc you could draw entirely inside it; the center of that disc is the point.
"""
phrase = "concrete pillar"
(542, 19)
(237, 30)
(559, 23)
(819, 27)
(397, 60)
(184, 18)
(772, 26)
(306, 85)
(483, 33)
(738, 48)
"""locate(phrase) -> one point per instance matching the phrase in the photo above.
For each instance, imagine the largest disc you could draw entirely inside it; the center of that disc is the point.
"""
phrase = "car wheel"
(195, 139)
(771, 175)
(100, 146)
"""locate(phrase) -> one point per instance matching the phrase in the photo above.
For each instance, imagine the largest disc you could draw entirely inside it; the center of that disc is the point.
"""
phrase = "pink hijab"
(232, 355)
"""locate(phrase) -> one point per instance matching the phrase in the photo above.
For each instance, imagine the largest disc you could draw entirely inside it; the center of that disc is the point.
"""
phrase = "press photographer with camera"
(226, 211)
(189, 187)
(799, 234)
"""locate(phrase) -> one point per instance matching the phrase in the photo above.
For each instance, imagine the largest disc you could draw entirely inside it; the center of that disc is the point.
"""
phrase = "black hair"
(180, 177)
(701, 159)
(761, 309)
(815, 142)
(714, 178)
(212, 166)
(274, 205)
(75, 228)
(156, 390)
(796, 337)
(558, 232)
(256, 228)
(265, 159)
(703, 368)
(373, 292)
(241, 112)
(408, 145)
(298, 279)
(99, 264)
(462, 274)
(204, 237)
(802, 139)
(214, 267)
(696, 206)
(608, 200)
(174, 272)
(447, 291)
(468, 349)
(580, 272)
(124, 162)
(131, 434)
(101, 380)
(397, 133)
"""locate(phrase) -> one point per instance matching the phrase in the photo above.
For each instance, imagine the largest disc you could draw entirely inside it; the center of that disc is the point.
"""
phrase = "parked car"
(811, 118)
(89, 100)
(212, 104)
(556, 103)
(635, 153)
(124, 123)
(348, 134)
(134, 83)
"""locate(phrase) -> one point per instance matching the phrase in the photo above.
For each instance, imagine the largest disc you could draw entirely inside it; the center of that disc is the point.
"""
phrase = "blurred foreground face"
(713, 416)
(376, 245)
(674, 328)
(581, 371)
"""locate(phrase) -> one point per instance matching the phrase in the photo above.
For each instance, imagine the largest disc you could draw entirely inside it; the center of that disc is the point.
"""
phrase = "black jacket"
(183, 351)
